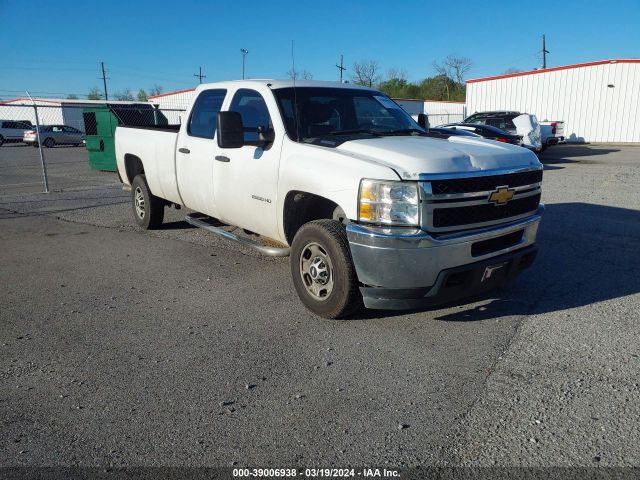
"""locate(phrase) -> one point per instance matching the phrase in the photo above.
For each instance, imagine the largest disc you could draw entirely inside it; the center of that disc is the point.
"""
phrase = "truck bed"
(156, 144)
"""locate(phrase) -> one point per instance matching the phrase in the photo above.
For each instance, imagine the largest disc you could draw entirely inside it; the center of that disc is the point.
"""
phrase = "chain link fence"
(436, 119)
(52, 146)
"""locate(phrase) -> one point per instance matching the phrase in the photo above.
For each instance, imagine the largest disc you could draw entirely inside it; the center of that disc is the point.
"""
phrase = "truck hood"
(412, 156)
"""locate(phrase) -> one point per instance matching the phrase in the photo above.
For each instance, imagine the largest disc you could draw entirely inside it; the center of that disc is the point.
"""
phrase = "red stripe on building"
(553, 69)
(171, 93)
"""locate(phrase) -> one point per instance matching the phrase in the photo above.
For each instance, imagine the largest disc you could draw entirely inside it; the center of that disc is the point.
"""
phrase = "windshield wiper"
(403, 131)
(355, 131)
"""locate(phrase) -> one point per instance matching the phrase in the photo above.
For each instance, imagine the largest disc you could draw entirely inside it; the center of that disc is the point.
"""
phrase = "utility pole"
(200, 75)
(341, 67)
(104, 80)
(244, 52)
(544, 52)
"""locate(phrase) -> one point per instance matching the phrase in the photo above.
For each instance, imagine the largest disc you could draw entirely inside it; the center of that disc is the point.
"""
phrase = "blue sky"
(56, 47)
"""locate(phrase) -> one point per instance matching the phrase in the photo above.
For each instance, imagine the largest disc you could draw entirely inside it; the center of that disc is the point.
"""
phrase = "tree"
(72, 96)
(397, 74)
(511, 70)
(155, 90)
(297, 75)
(366, 73)
(94, 94)
(142, 95)
(397, 86)
(124, 95)
(453, 67)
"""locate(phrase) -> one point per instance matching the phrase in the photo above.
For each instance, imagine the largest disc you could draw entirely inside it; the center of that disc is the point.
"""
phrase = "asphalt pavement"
(176, 348)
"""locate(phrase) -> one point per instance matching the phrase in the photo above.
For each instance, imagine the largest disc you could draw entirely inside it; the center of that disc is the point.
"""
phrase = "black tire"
(329, 240)
(148, 210)
(49, 142)
(1, 140)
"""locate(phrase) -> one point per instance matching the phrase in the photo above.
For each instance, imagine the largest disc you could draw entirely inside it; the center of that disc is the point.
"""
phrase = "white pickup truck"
(552, 132)
(371, 209)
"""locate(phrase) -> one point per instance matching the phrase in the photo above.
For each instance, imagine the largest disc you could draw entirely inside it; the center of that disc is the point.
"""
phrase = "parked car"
(485, 131)
(442, 132)
(516, 123)
(370, 209)
(53, 135)
(552, 132)
(12, 131)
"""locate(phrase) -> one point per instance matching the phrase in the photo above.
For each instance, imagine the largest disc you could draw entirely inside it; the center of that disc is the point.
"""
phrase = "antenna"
(244, 52)
(295, 96)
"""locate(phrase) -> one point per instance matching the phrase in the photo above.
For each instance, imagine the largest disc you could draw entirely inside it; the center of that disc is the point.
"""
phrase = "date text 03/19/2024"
(315, 473)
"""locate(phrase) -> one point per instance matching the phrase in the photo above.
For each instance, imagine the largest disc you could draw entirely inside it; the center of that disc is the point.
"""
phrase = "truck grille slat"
(482, 184)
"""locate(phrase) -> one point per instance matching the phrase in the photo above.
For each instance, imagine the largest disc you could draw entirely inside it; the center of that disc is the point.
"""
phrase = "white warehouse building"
(598, 101)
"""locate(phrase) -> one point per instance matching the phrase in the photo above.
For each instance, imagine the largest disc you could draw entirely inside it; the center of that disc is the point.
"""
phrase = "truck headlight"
(389, 203)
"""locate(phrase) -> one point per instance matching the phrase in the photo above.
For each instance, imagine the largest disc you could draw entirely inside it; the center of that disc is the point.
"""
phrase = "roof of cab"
(275, 84)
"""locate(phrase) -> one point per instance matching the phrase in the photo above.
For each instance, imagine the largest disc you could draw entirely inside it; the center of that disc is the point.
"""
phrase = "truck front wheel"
(322, 270)
(148, 209)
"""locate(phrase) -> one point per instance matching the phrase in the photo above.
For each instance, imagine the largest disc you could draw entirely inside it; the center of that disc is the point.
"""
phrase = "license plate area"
(494, 272)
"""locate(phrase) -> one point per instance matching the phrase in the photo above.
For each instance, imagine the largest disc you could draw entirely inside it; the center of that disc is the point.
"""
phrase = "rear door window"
(204, 114)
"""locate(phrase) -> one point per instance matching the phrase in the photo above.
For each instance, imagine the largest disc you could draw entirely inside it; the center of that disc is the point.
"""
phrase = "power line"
(104, 79)
(199, 75)
(341, 67)
(544, 52)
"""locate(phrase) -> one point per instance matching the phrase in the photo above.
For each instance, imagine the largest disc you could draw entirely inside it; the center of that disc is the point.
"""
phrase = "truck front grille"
(455, 217)
(480, 184)
(459, 203)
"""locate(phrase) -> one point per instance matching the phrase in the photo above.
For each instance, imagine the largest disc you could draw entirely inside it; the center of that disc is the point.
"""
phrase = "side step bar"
(265, 250)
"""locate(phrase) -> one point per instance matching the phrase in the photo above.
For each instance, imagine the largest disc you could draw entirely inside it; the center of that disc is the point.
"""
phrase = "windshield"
(325, 112)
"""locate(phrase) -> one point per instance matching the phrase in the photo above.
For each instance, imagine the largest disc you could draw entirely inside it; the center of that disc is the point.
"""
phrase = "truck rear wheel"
(322, 270)
(148, 209)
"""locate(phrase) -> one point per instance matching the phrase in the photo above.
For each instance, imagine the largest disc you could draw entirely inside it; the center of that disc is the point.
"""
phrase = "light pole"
(244, 52)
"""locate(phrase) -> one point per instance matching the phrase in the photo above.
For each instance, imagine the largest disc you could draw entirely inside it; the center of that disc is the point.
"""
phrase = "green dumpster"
(100, 122)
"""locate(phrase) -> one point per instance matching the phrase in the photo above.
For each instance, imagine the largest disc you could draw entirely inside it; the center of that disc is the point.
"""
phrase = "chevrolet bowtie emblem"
(501, 195)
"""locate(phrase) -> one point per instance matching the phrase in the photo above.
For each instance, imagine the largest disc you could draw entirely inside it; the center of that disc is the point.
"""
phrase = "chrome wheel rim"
(316, 271)
(138, 202)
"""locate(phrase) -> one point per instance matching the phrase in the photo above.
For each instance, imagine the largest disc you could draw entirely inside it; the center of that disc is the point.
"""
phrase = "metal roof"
(553, 69)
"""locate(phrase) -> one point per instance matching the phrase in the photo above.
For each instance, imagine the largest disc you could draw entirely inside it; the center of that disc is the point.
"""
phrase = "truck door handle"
(184, 150)
(222, 158)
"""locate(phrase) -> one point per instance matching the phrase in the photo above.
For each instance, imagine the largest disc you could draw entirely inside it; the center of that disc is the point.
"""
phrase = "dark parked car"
(501, 119)
(440, 132)
(486, 131)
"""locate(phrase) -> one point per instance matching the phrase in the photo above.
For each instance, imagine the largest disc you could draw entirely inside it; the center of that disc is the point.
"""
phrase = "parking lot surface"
(175, 347)
(67, 168)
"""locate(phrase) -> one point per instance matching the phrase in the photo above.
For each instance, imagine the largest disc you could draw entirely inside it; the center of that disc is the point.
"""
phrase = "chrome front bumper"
(412, 259)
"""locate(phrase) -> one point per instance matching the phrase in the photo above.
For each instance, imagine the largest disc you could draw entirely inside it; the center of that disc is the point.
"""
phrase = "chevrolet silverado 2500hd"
(371, 209)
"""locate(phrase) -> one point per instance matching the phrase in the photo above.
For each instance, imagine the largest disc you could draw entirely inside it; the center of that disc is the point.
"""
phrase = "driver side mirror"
(423, 121)
(230, 130)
